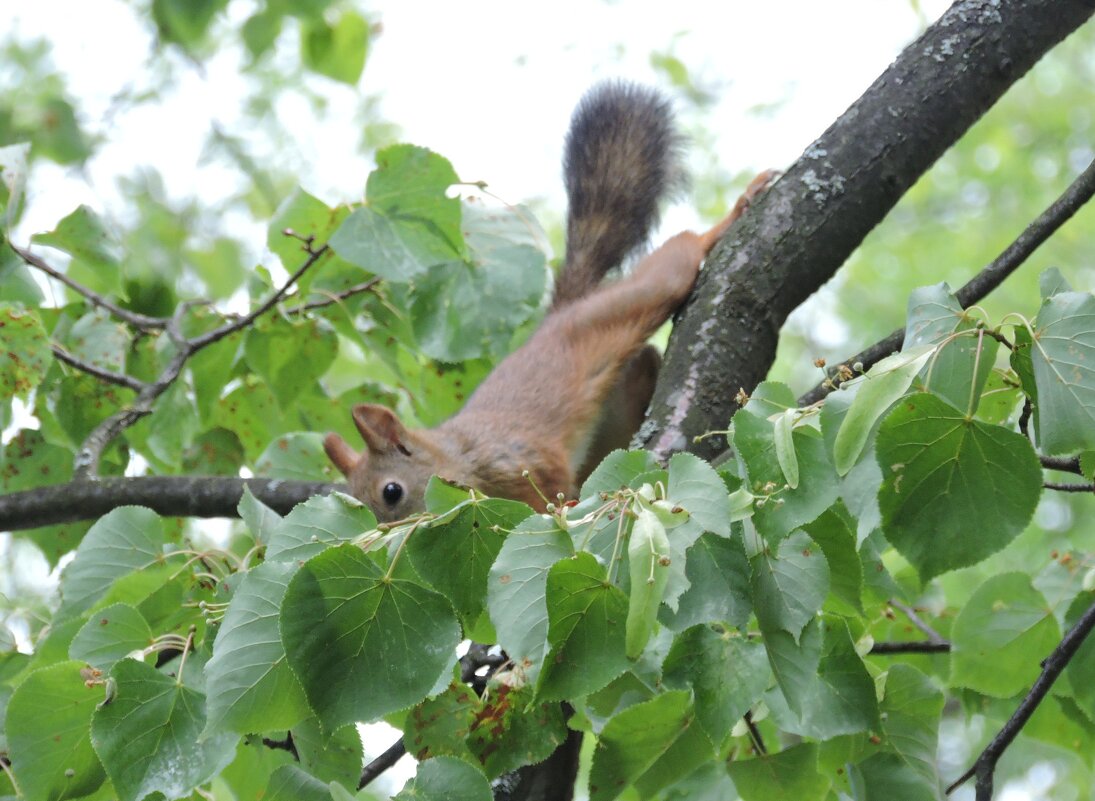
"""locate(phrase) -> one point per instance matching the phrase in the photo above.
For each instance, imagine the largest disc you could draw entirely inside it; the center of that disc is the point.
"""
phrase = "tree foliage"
(812, 616)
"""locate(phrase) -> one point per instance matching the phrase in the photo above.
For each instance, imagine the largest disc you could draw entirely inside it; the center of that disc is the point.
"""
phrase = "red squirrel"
(580, 385)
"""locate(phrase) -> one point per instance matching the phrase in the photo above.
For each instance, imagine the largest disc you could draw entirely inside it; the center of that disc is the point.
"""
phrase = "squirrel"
(580, 385)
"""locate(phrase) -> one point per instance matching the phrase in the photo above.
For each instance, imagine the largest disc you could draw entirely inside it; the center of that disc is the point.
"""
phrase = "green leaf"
(718, 571)
(439, 726)
(754, 440)
(13, 179)
(1000, 636)
(826, 690)
(833, 532)
(111, 634)
(446, 778)
(727, 675)
(46, 725)
(306, 216)
(942, 470)
(384, 247)
(96, 255)
(617, 471)
(249, 411)
(260, 31)
(290, 783)
(911, 712)
(517, 590)
(792, 773)
(290, 356)
(146, 735)
(248, 682)
(455, 555)
(333, 758)
(185, 22)
(789, 588)
(785, 446)
(879, 389)
(317, 524)
(17, 284)
(1063, 357)
(342, 617)
(698, 488)
(336, 50)
(25, 354)
(298, 457)
(586, 618)
(99, 341)
(261, 520)
(410, 185)
(1051, 282)
(124, 540)
(648, 555)
(58, 135)
(464, 310)
(649, 746)
(410, 222)
(511, 730)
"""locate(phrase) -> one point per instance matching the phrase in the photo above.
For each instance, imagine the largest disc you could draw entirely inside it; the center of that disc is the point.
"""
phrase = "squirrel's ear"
(380, 428)
(340, 453)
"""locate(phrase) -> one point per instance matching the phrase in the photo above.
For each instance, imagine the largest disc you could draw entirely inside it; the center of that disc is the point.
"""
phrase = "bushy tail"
(622, 160)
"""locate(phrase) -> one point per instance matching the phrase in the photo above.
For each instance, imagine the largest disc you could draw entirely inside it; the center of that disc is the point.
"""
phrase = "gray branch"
(796, 236)
(171, 496)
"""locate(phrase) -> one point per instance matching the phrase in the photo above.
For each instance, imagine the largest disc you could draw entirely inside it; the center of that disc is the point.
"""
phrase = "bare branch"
(915, 619)
(139, 321)
(171, 496)
(393, 754)
(120, 379)
(86, 463)
(911, 647)
(1053, 485)
(336, 297)
(217, 334)
(1066, 464)
(985, 766)
(1013, 256)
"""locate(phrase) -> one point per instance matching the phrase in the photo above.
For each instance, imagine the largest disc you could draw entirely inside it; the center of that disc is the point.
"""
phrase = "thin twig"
(1066, 464)
(916, 620)
(1053, 485)
(120, 379)
(392, 755)
(217, 334)
(283, 745)
(911, 647)
(135, 319)
(1054, 664)
(1045, 225)
(754, 733)
(86, 463)
(335, 297)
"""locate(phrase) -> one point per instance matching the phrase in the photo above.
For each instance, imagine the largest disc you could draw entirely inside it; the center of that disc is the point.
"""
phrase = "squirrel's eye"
(392, 493)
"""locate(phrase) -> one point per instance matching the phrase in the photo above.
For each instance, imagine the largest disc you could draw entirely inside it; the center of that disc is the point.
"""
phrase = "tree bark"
(796, 236)
(170, 496)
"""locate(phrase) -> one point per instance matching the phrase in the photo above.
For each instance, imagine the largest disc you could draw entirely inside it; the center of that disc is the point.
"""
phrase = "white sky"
(488, 84)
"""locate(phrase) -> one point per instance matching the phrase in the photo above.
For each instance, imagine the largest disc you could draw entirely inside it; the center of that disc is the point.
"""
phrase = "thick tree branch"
(985, 766)
(172, 496)
(796, 236)
(1014, 255)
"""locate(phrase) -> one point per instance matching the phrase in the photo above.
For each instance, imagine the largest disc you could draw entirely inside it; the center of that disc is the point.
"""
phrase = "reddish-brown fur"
(541, 406)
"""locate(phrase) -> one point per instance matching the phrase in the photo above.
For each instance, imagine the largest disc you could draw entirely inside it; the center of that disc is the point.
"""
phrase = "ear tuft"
(380, 428)
(340, 453)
